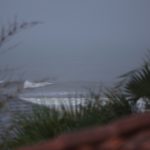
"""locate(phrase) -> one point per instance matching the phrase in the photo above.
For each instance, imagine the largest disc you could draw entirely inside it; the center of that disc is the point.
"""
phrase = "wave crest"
(29, 84)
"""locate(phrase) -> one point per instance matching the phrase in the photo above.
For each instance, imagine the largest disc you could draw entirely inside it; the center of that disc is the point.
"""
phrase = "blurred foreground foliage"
(45, 123)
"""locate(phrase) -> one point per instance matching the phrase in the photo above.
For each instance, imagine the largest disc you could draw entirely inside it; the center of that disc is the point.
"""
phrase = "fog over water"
(79, 40)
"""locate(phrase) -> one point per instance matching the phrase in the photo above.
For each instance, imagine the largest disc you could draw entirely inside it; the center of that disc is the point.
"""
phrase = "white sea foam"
(29, 84)
(56, 102)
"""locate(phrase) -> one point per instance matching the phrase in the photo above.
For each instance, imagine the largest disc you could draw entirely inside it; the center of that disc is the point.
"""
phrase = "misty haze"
(71, 63)
(78, 40)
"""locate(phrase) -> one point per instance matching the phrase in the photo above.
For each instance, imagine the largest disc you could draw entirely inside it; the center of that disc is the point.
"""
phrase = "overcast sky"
(93, 40)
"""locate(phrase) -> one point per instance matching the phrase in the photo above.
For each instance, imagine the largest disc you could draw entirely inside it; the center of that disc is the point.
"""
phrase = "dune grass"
(45, 123)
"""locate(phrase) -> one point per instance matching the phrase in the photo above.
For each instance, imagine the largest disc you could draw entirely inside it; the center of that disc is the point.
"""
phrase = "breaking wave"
(29, 84)
(56, 102)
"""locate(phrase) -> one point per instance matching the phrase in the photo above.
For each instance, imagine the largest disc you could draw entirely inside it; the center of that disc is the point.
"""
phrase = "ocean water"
(54, 94)
(58, 93)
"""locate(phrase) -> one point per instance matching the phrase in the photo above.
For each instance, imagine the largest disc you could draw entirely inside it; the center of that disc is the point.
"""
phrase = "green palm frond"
(136, 83)
(139, 84)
